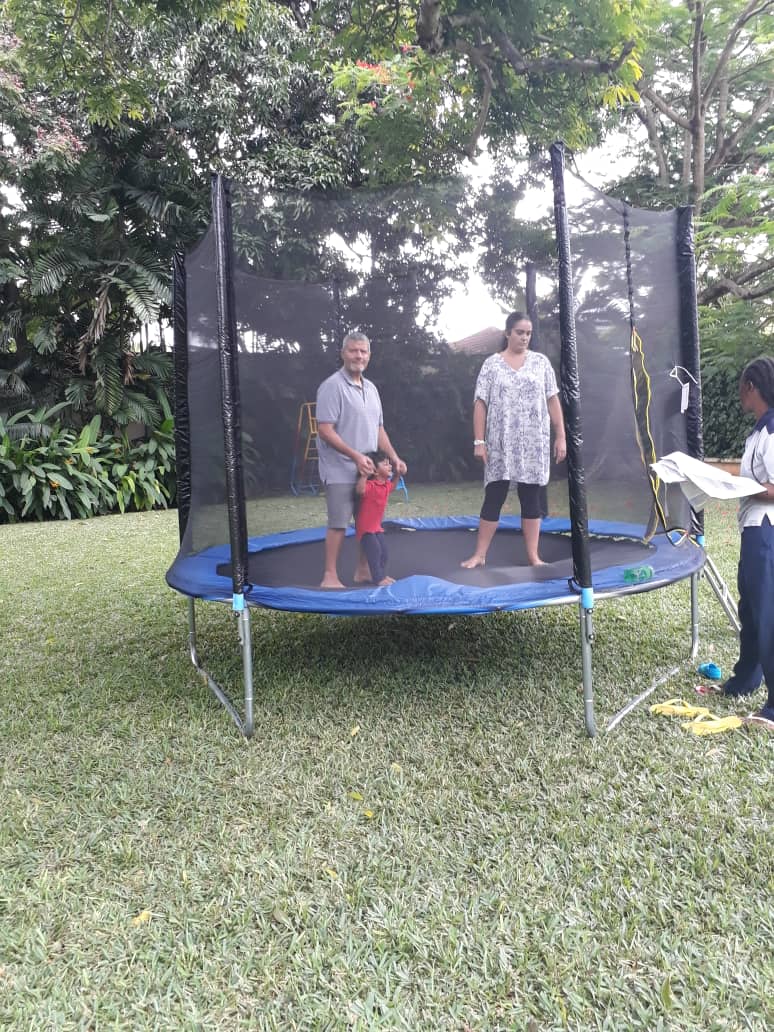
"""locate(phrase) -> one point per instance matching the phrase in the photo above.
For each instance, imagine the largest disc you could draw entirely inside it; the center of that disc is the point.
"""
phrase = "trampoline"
(283, 570)
(261, 306)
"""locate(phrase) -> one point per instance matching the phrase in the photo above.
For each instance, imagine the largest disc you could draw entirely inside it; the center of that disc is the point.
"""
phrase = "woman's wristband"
(477, 442)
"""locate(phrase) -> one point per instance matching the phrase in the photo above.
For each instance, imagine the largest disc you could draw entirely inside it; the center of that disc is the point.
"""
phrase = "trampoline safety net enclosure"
(429, 273)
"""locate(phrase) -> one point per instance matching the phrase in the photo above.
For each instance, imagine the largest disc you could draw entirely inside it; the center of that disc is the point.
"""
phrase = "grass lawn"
(420, 836)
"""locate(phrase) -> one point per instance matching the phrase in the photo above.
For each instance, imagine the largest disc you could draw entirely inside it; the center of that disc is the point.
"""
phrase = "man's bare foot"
(474, 561)
(385, 582)
(331, 582)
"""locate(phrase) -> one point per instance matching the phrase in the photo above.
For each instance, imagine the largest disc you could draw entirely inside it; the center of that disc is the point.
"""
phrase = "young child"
(372, 493)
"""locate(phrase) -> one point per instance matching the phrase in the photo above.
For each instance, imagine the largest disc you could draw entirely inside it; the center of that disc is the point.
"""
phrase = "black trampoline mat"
(438, 553)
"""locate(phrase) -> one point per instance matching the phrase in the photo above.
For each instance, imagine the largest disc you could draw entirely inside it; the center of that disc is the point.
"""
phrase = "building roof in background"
(485, 342)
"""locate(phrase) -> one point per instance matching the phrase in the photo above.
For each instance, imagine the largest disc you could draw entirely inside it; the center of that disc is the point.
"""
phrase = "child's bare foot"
(385, 582)
(474, 561)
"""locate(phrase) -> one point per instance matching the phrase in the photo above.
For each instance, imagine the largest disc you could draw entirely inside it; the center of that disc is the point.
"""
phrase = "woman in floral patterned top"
(516, 403)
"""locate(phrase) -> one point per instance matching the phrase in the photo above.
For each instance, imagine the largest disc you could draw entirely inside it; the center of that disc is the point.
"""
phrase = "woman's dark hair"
(760, 373)
(510, 322)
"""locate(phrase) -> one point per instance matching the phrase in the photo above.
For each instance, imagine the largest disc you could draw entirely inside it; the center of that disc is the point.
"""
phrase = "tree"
(439, 76)
(101, 197)
(135, 102)
(706, 104)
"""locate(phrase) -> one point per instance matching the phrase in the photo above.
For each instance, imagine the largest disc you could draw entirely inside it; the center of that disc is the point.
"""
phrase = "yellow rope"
(653, 479)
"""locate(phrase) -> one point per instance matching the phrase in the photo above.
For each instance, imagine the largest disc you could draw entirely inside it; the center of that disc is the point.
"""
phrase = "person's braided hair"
(760, 373)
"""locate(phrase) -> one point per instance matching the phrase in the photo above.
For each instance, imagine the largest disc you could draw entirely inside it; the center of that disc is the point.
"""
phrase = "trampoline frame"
(570, 397)
(245, 719)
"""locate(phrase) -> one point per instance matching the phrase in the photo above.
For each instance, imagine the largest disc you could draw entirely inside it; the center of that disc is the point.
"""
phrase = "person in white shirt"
(755, 579)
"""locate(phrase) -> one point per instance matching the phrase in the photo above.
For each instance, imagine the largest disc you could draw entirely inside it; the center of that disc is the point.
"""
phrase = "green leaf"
(44, 340)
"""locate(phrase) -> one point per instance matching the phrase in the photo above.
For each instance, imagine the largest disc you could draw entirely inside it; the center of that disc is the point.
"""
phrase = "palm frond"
(44, 338)
(9, 327)
(27, 431)
(12, 383)
(142, 299)
(10, 271)
(138, 407)
(166, 409)
(78, 393)
(53, 269)
(156, 205)
(96, 327)
(154, 363)
(154, 279)
(108, 384)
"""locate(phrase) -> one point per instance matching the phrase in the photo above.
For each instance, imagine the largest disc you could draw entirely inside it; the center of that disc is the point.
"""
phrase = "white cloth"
(699, 481)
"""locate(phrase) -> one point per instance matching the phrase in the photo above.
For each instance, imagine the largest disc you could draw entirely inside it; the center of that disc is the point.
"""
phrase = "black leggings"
(375, 549)
(532, 499)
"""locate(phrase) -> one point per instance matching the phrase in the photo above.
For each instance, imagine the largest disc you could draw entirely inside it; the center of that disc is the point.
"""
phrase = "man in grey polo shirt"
(349, 425)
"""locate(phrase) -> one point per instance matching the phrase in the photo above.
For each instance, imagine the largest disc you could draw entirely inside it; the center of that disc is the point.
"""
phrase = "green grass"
(420, 836)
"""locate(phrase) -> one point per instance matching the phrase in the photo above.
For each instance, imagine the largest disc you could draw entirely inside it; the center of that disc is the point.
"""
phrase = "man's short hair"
(356, 335)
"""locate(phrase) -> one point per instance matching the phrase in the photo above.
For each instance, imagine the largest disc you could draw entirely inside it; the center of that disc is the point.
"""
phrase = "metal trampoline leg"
(244, 723)
(587, 639)
(675, 670)
(245, 639)
(192, 635)
(694, 615)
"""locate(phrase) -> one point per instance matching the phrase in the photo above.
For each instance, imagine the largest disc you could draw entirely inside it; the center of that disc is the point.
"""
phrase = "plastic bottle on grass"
(638, 574)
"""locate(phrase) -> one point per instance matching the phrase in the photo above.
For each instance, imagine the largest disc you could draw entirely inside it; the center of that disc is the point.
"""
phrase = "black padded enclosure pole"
(229, 381)
(530, 294)
(689, 339)
(182, 411)
(570, 381)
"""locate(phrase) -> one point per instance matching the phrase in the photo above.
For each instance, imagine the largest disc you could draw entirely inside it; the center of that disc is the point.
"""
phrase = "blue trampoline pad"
(284, 570)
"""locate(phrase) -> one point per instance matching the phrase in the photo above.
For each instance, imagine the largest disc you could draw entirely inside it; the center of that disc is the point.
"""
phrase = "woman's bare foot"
(385, 582)
(537, 561)
(474, 561)
(332, 583)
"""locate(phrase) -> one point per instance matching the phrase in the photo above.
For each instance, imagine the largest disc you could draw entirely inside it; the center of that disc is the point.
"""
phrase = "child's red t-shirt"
(368, 518)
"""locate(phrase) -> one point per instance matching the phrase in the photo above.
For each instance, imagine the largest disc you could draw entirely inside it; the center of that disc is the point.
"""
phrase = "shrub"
(48, 471)
(725, 425)
(143, 473)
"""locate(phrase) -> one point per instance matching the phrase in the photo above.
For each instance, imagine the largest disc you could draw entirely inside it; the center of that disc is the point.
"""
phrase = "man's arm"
(384, 444)
(327, 433)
